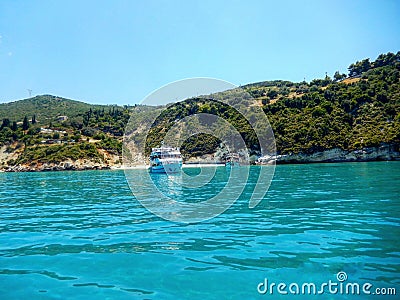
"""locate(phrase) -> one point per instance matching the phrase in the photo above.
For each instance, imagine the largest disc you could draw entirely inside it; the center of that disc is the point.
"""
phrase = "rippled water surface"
(82, 235)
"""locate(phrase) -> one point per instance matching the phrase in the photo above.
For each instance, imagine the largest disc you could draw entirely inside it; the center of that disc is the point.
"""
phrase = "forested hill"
(347, 111)
(45, 107)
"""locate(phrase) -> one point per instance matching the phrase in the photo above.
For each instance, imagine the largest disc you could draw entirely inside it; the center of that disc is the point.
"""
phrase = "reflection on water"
(192, 184)
(83, 235)
(169, 185)
(187, 198)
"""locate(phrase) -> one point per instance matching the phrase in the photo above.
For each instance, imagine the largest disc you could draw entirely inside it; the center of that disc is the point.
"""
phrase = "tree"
(14, 126)
(33, 131)
(265, 101)
(6, 123)
(359, 67)
(33, 119)
(76, 137)
(86, 119)
(338, 76)
(327, 79)
(272, 94)
(386, 59)
(25, 124)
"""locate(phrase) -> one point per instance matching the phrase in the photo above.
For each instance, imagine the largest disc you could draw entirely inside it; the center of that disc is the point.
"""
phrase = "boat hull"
(165, 160)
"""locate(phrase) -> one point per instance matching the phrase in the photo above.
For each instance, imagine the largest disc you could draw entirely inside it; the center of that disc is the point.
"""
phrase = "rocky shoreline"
(63, 166)
(381, 153)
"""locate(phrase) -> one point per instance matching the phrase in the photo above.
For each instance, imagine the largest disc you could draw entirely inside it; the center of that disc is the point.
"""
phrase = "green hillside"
(45, 107)
(350, 112)
(344, 112)
(357, 112)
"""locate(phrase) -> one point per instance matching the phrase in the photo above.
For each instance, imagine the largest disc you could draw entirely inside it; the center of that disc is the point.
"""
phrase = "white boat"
(267, 159)
(165, 160)
(232, 160)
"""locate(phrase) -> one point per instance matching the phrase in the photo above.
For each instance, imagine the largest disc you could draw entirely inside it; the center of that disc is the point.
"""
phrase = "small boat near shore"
(267, 160)
(165, 160)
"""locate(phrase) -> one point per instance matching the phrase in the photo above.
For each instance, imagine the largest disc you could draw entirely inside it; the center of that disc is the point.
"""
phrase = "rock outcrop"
(383, 152)
(79, 165)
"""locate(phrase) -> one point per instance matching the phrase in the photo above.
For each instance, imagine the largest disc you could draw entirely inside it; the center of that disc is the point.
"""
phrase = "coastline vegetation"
(350, 112)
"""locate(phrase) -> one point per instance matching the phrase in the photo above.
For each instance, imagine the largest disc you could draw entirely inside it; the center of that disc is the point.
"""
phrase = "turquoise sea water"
(82, 235)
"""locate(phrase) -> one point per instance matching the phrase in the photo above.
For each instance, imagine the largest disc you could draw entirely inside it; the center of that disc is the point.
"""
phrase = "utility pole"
(30, 92)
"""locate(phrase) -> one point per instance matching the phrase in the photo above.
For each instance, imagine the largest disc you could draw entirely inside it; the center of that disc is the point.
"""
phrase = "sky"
(118, 52)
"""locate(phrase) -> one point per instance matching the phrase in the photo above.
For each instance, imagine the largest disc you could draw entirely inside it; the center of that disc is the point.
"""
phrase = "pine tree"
(6, 123)
(25, 124)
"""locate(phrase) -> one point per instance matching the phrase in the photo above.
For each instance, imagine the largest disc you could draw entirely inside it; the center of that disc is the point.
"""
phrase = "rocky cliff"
(384, 152)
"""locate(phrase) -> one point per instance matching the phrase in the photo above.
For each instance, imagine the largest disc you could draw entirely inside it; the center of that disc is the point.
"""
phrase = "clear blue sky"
(120, 51)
